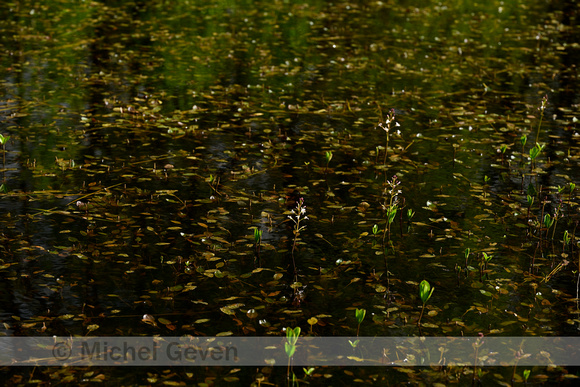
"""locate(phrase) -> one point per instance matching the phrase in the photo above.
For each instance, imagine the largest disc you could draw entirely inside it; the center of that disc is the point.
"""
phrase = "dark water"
(179, 127)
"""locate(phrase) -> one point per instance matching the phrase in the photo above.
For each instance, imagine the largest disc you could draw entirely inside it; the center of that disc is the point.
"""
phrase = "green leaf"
(360, 315)
(292, 335)
(425, 291)
(526, 374)
(290, 349)
(487, 257)
(328, 156)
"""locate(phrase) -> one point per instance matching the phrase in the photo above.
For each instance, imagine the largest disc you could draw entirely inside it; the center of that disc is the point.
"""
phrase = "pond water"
(146, 145)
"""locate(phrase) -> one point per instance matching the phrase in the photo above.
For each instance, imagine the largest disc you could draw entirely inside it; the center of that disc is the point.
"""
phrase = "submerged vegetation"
(157, 163)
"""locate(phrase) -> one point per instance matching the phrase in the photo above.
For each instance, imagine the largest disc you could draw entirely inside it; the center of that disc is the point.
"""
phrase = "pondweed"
(534, 153)
(360, 316)
(572, 188)
(328, 156)
(257, 241)
(523, 141)
(466, 254)
(483, 265)
(290, 345)
(425, 292)
(3, 141)
(566, 239)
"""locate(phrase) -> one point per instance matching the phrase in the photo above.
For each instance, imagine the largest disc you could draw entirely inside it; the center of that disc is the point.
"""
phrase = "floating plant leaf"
(92, 327)
(164, 321)
(148, 319)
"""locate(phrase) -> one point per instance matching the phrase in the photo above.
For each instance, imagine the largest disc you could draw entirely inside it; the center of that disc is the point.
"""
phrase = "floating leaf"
(92, 327)
(148, 319)
(227, 310)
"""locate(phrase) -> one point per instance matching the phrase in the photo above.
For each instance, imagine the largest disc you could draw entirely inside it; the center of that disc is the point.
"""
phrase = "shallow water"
(148, 140)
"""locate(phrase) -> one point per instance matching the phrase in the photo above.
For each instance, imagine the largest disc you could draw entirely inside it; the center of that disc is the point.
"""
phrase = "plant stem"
(542, 219)
(420, 316)
(386, 150)
(556, 216)
(539, 126)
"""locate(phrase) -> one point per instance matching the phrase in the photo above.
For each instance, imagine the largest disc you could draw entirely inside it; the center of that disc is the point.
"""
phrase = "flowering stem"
(386, 150)
(386, 126)
(298, 215)
(542, 108)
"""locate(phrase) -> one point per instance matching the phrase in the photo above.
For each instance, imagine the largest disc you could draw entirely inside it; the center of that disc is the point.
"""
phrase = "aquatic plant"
(386, 126)
(328, 156)
(526, 375)
(548, 222)
(391, 213)
(523, 140)
(354, 343)
(257, 240)
(541, 109)
(555, 271)
(557, 216)
(565, 239)
(391, 204)
(476, 345)
(312, 321)
(214, 182)
(530, 199)
(486, 180)
(257, 236)
(572, 187)
(485, 258)
(360, 316)
(503, 149)
(3, 141)
(298, 216)
(425, 292)
(534, 153)
(290, 345)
